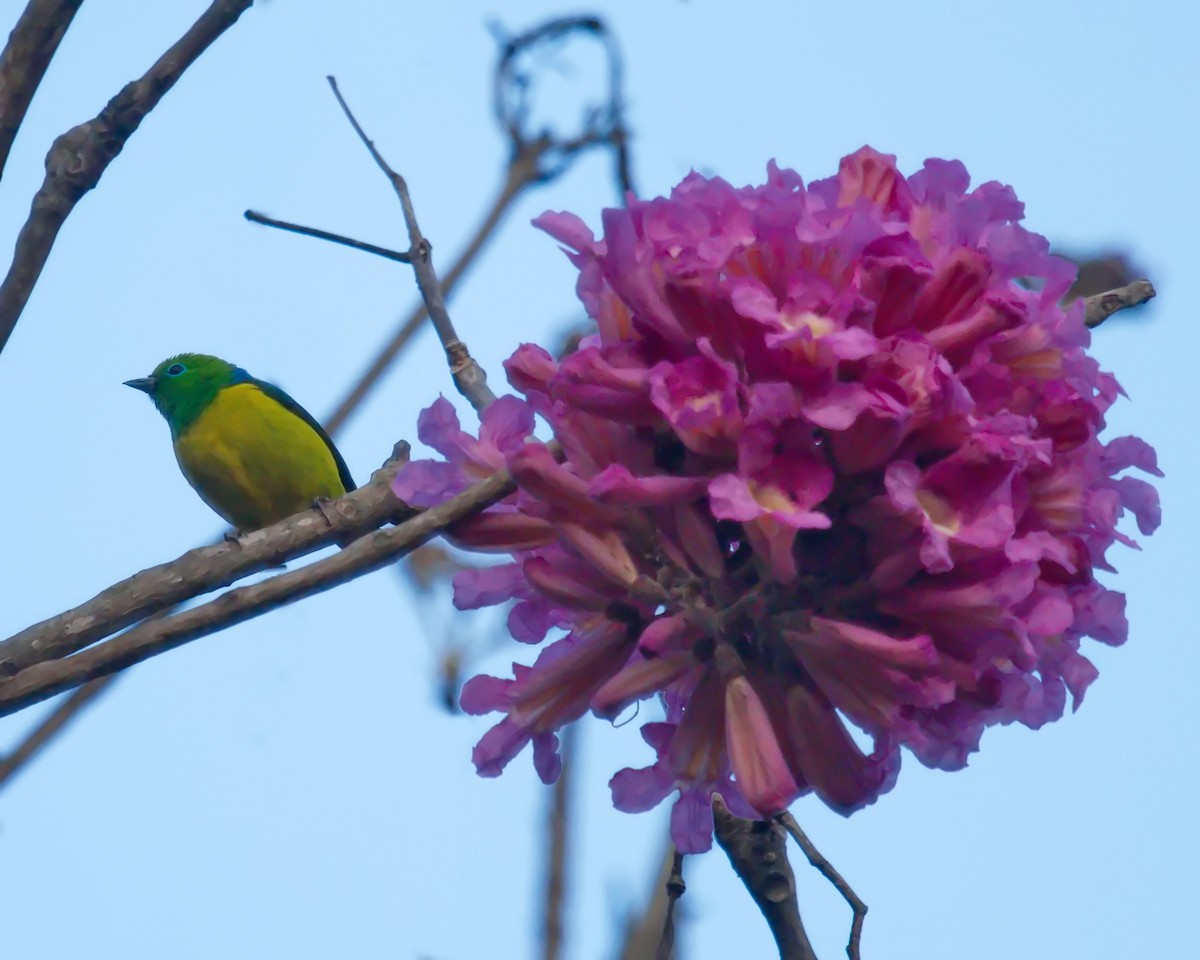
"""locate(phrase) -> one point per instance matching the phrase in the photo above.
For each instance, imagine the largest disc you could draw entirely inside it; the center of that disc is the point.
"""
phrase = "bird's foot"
(336, 522)
(322, 504)
(232, 536)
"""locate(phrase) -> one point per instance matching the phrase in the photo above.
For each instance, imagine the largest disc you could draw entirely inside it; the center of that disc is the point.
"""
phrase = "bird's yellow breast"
(254, 461)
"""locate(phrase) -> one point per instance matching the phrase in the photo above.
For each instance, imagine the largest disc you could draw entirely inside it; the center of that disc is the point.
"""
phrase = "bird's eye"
(175, 369)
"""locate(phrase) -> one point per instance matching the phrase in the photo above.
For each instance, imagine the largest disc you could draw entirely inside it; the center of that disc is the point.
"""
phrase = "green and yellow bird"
(252, 452)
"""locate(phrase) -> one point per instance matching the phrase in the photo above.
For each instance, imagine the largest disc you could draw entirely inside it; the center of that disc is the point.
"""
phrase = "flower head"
(826, 464)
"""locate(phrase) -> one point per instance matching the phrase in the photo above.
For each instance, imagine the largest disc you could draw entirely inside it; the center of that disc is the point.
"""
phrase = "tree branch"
(757, 851)
(79, 157)
(152, 637)
(30, 48)
(203, 569)
(1104, 305)
(468, 375)
(826, 869)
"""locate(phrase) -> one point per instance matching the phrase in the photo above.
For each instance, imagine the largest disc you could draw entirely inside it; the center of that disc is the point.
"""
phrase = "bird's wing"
(281, 397)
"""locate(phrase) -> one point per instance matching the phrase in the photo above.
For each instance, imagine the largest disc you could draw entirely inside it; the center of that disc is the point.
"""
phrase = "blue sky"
(291, 787)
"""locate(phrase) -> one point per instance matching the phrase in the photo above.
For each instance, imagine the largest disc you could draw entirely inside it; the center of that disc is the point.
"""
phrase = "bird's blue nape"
(239, 375)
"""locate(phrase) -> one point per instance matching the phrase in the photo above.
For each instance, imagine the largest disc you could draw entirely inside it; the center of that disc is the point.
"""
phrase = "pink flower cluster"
(825, 463)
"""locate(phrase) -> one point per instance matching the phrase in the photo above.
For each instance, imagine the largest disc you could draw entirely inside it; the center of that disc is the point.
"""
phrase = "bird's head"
(183, 385)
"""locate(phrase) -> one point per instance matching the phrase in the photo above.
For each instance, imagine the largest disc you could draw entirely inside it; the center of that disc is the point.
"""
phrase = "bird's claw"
(322, 504)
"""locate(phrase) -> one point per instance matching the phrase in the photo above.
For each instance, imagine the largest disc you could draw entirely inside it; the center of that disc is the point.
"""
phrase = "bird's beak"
(145, 384)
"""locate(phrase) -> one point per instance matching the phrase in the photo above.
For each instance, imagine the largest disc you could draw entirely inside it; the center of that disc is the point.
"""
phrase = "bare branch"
(80, 156)
(1104, 305)
(757, 851)
(468, 375)
(152, 637)
(675, 889)
(50, 726)
(30, 48)
(255, 217)
(826, 869)
(203, 569)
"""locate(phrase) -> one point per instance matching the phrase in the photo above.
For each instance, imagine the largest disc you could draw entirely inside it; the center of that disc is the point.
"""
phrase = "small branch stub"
(1103, 305)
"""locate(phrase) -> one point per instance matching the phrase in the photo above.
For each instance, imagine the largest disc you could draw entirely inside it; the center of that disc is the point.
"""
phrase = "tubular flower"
(825, 465)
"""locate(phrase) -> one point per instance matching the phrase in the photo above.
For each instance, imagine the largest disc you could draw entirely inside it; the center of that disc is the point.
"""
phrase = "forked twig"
(827, 870)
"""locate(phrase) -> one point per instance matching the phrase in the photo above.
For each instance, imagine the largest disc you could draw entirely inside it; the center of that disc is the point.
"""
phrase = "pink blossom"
(826, 465)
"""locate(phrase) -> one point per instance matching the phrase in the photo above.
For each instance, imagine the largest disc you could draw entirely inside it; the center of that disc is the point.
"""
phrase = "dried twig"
(255, 217)
(152, 637)
(28, 53)
(675, 889)
(79, 157)
(826, 869)
(468, 375)
(203, 569)
(1104, 305)
(757, 851)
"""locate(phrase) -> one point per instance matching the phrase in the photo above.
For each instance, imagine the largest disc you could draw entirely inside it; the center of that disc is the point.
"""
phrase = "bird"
(248, 449)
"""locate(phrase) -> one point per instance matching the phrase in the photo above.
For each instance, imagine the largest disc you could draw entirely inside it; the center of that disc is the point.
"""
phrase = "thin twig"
(643, 934)
(152, 637)
(468, 375)
(512, 189)
(534, 159)
(757, 851)
(203, 569)
(50, 726)
(79, 157)
(255, 217)
(30, 48)
(675, 889)
(1104, 305)
(826, 869)
(556, 850)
